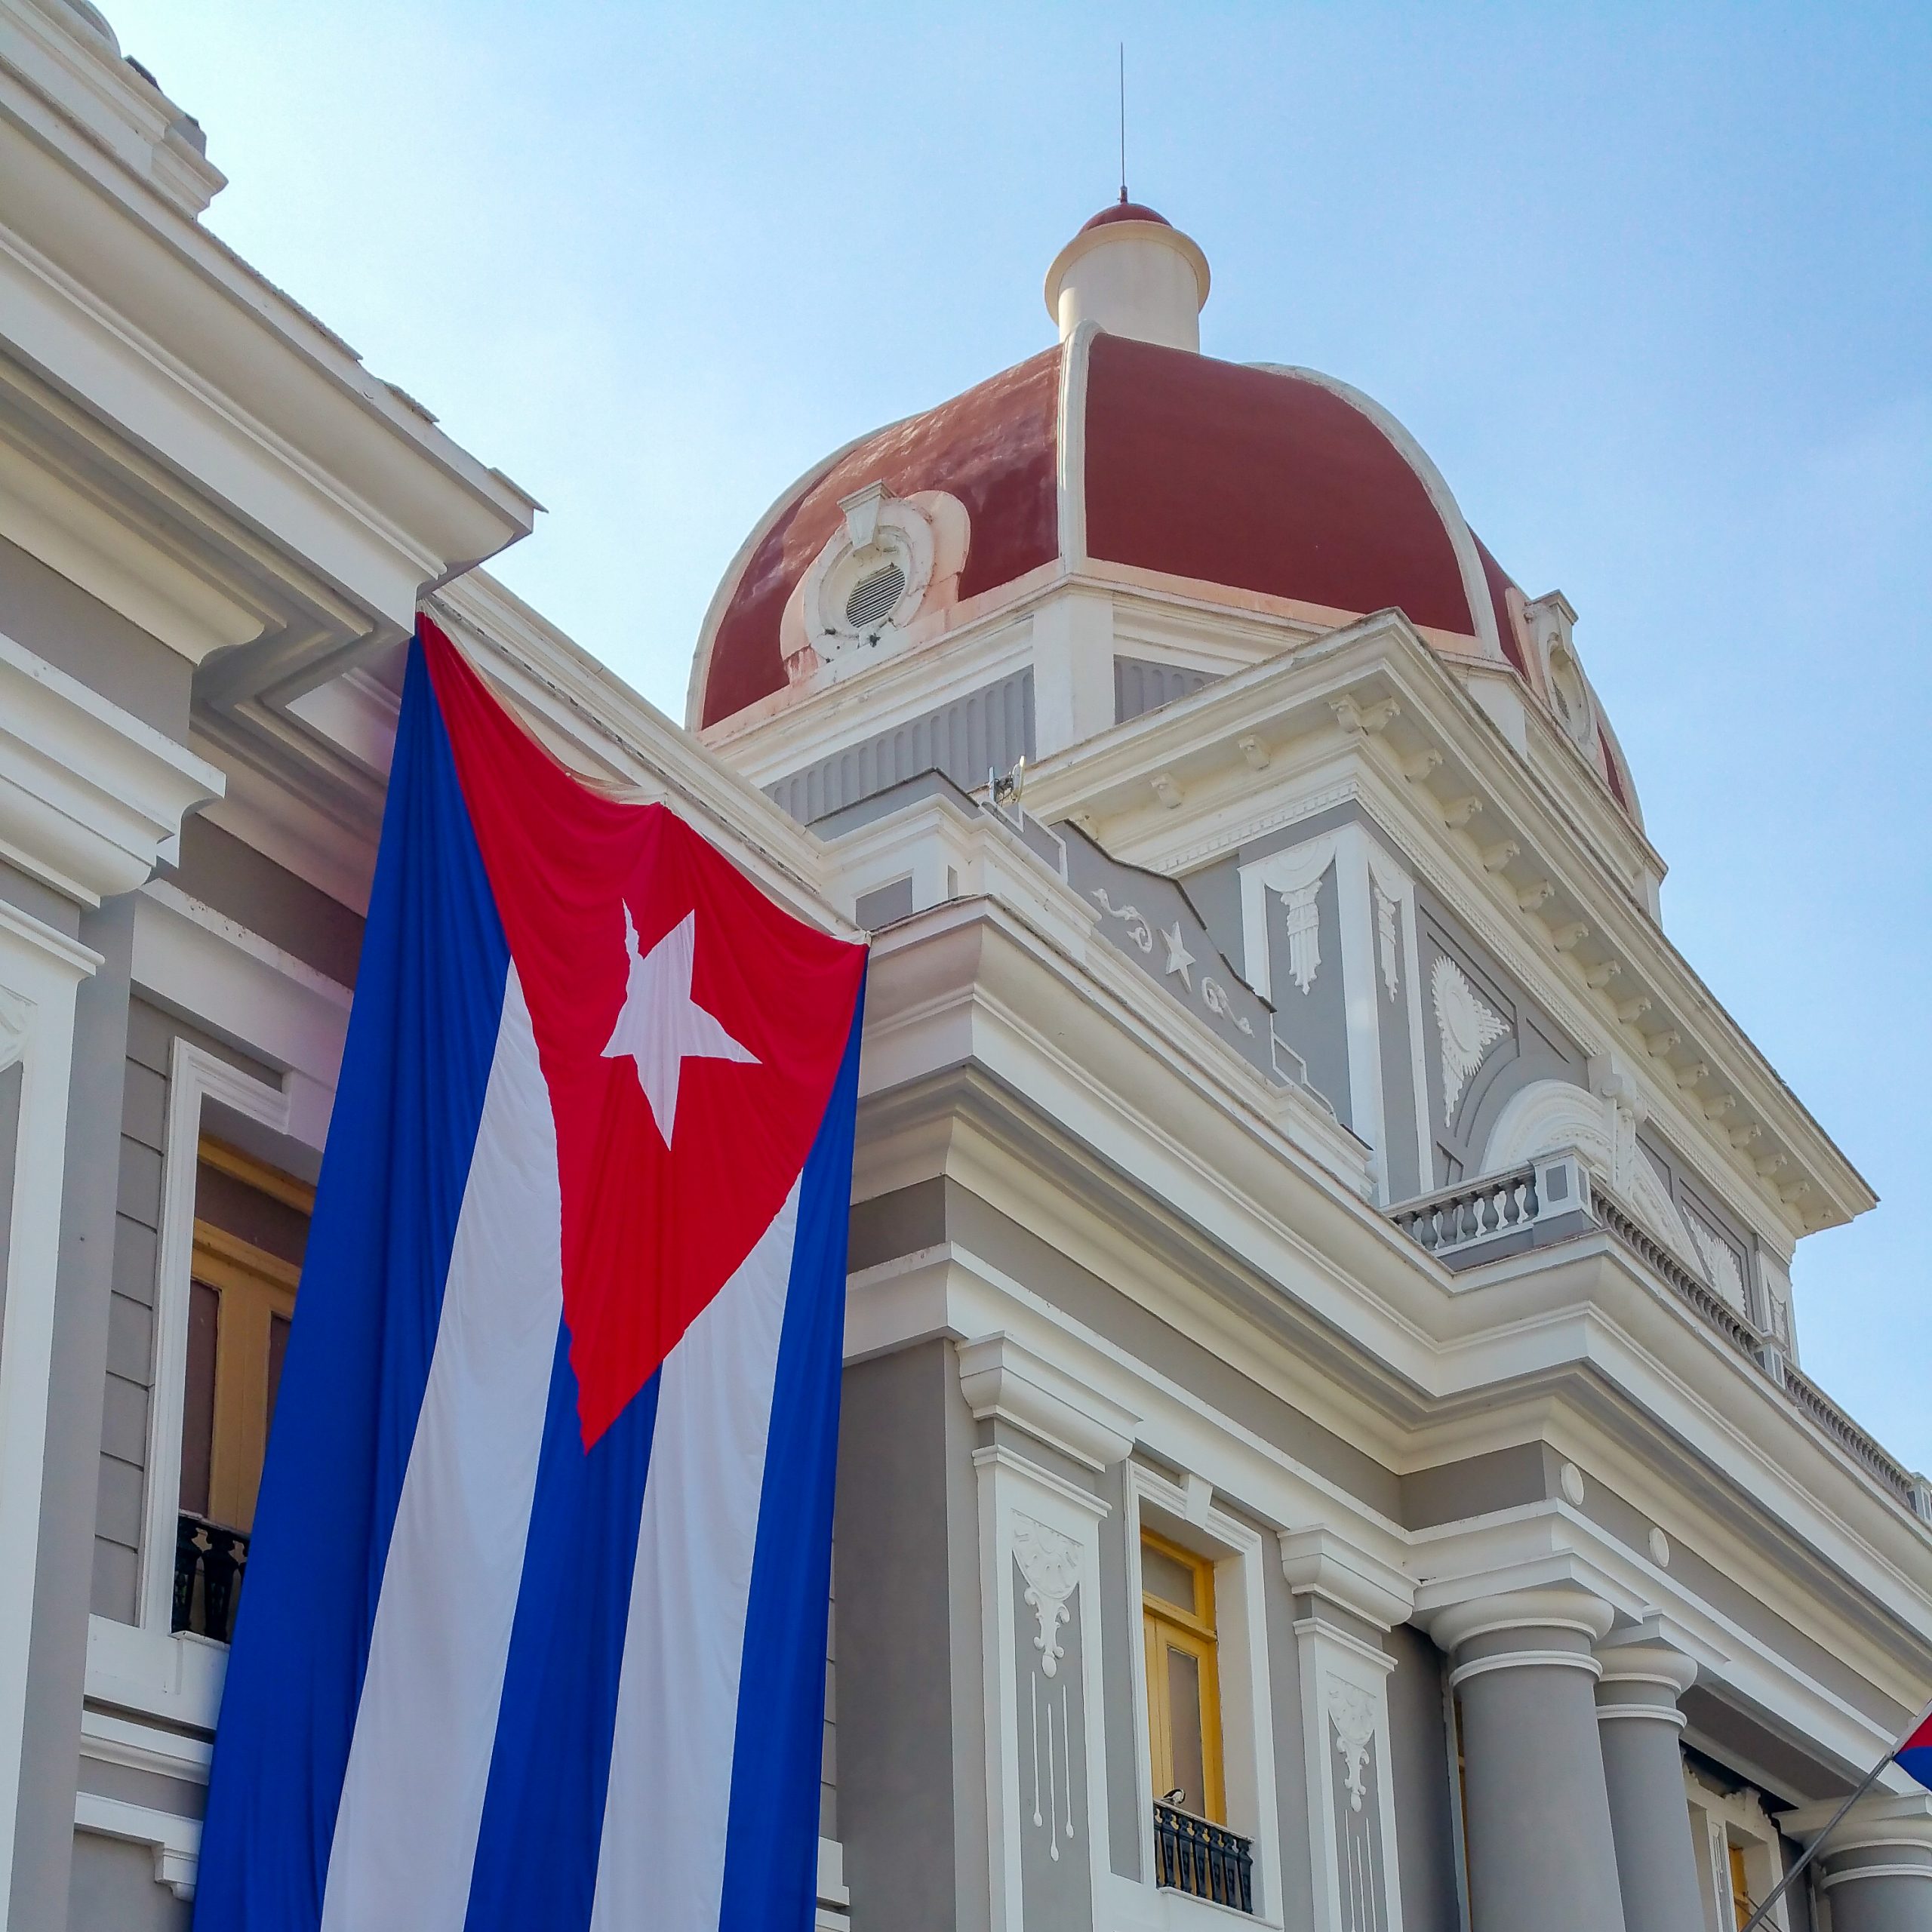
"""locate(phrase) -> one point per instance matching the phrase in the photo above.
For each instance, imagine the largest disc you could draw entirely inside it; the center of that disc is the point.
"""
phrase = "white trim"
(41, 971)
(1247, 1733)
(1070, 453)
(175, 1842)
(90, 796)
(1525, 1660)
(1658, 1713)
(1362, 985)
(194, 1075)
(108, 1739)
(1853, 1873)
(230, 981)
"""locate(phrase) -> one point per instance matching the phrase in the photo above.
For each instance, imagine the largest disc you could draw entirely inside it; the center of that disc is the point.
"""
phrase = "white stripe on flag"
(662, 1859)
(412, 1798)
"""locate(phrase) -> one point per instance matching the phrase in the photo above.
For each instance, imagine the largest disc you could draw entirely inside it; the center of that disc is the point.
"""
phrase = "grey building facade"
(1324, 1437)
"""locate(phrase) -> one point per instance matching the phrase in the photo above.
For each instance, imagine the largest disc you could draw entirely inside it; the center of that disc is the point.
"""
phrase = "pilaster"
(1346, 1601)
(41, 972)
(1041, 1438)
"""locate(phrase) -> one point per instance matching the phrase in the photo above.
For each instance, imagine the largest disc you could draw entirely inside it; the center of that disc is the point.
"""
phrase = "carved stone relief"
(1050, 1562)
(1361, 1883)
(1352, 1713)
(1051, 1723)
(1465, 1028)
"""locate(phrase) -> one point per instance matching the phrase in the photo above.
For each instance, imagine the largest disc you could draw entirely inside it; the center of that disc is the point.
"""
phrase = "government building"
(1326, 1441)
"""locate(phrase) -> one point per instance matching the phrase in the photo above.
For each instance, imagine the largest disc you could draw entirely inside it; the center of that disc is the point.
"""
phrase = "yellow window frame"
(1165, 1627)
(254, 1287)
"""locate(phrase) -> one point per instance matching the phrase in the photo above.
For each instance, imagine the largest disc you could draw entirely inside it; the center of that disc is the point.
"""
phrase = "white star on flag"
(660, 1026)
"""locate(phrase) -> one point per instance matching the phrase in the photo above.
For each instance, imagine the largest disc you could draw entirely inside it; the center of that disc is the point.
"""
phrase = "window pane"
(277, 1346)
(1167, 1578)
(198, 1407)
(1190, 1770)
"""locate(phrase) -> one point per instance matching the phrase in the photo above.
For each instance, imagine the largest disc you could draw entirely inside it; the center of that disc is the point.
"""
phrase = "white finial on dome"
(1133, 272)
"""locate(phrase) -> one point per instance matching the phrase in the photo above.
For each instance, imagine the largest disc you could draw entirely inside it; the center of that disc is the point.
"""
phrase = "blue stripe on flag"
(422, 1036)
(543, 1812)
(771, 1843)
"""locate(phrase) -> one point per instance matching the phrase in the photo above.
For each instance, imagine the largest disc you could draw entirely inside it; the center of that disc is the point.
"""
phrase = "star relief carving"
(660, 1026)
(1178, 958)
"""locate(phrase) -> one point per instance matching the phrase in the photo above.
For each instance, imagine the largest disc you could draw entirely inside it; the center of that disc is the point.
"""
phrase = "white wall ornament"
(1049, 1561)
(889, 559)
(1352, 1713)
(1138, 930)
(1720, 1263)
(1295, 876)
(1466, 1028)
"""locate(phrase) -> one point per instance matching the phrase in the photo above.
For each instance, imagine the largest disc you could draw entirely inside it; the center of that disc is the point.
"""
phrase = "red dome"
(1278, 489)
(1123, 210)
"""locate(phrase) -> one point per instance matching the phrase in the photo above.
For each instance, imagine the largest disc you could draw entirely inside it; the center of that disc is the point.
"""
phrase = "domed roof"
(1270, 489)
(1123, 210)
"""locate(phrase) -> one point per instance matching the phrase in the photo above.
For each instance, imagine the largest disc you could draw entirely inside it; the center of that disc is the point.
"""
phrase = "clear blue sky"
(1650, 283)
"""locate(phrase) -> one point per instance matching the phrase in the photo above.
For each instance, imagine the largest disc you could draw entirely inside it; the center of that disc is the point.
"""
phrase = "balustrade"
(1207, 1861)
(209, 1559)
(1458, 1225)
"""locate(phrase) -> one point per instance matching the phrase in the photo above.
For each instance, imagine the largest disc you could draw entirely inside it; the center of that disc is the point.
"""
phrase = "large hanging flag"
(533, 1635)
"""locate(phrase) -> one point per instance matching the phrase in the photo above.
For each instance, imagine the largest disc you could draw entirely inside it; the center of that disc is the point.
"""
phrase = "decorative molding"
(90, 796)
(1352, 1713)
(1138, 930)
(1213, 997)
(1001, 1378)
(1179, 960)
(175, 1842)
(1390, 890)
(1049, 1561)
(1465, 1029)
(1318, 1561)
(1295, 875)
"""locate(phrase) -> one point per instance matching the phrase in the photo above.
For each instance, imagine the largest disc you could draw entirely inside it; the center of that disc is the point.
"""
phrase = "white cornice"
(89, 794)
(1292, 705)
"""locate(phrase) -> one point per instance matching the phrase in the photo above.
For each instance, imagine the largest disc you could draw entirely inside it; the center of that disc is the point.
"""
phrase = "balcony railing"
(209, 1559)
(1482, 1220)
(1206, 1861)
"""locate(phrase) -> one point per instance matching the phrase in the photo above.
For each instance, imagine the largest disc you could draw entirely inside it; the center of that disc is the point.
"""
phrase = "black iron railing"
(209, 1559)
(1207, 1861)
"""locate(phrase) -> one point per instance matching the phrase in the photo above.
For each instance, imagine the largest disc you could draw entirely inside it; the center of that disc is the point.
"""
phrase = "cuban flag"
(533, 1636)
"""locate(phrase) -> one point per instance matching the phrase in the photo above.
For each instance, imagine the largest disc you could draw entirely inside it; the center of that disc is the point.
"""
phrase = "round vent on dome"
(873, 596)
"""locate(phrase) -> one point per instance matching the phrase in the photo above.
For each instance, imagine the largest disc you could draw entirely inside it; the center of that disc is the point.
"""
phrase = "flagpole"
(1837, 1818)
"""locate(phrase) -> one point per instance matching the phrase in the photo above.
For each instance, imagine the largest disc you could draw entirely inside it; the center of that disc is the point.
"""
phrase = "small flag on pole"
(533, 1628)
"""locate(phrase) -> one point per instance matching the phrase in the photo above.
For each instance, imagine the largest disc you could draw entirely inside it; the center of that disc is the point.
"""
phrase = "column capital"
(1565, 1607)
(1642, 1673)
(1003, 1379)
(1886, 1820)
(1319, 1562)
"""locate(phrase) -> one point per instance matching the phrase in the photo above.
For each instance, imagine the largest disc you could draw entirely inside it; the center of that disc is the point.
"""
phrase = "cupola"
(1134, 273)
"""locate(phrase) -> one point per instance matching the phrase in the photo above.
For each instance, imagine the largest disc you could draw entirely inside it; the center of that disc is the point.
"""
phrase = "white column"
(41, 970)
(1073, 669)
(1344, 1596)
